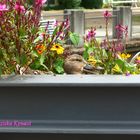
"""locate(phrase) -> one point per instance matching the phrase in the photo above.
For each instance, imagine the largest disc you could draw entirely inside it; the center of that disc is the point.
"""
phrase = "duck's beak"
(88, 67)
(91, 69)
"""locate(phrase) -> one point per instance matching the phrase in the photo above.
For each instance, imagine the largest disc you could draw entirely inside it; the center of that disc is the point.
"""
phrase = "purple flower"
(128, 74)
(91, 34)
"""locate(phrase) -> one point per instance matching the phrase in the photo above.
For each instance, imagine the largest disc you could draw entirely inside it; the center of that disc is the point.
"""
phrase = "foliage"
(69, 4)
(109, 55)
(49, 48)
(19, 26)
(89, 4)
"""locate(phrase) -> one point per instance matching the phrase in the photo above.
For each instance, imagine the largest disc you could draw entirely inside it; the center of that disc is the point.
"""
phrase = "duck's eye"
(78, 60)
(57, 47)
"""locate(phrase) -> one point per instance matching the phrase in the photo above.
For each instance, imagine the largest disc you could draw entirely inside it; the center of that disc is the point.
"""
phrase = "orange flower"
(40, 49)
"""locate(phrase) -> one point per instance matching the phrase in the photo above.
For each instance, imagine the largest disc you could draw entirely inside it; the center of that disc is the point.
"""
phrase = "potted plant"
(105, 102)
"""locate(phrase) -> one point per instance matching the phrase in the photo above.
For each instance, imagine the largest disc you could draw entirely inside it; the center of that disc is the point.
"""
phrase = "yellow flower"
(125, 56)
(138, 58)
(58, 48)
(116, 69)
(92, 60)
(134, 73)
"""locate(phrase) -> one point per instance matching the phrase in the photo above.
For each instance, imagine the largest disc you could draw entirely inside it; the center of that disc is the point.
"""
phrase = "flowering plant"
(49, 48)
(19, 26)
(110, 56)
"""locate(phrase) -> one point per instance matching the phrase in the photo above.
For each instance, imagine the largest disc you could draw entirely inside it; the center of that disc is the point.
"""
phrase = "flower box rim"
(70, 80)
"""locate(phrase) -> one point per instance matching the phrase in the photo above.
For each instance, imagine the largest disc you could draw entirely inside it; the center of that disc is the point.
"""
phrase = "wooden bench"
(51, 23)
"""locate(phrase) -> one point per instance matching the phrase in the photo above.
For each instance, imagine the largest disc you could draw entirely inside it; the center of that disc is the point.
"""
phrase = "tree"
(92, 4)
(69, 4)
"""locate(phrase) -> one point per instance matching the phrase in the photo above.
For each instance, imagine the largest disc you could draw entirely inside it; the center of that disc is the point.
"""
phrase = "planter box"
(71, 104)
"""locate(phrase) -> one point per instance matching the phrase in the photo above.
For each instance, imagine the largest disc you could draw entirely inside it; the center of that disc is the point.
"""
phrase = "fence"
(136, 22)
(79, 20)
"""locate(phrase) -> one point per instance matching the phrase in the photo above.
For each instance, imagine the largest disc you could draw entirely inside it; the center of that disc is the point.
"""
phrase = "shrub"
(52, 7)
(69, 4)
(19, 27)
(92, 4)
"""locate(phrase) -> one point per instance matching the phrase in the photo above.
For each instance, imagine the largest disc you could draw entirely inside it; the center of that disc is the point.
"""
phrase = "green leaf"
(75, 38)
(22, 31)
(85, 55)
(55, 31)
(58, 66)
(36, 64)
(0, 71)
(90, 50)
(42, 60)
(23, 59)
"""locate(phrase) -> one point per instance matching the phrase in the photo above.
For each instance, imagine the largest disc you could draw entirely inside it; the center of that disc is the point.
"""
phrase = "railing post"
(123, 17)
(77, 21)
(126, 19)
(116, 14)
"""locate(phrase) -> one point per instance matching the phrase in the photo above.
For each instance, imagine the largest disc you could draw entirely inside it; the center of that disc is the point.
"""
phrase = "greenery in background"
(73, 4)
(89, 4)
(69, 4)
(136, 19)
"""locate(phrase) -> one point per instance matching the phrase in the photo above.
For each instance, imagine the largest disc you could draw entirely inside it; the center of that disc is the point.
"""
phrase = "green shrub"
(69, 4)
(89, 4)
(52, 7)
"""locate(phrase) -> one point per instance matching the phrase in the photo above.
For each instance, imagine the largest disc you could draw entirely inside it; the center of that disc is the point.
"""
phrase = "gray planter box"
(71, 104)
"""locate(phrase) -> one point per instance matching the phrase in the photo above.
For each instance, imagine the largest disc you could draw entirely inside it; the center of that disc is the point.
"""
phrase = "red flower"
(107, 15)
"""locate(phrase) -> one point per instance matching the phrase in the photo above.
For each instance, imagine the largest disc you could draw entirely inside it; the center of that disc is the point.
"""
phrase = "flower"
(121, 29)
(58, 48)
(91, 34)
(125, 56)
(40, 49)
(3, 7)
(40, 2)
(137, 60)
(66, 23)
(19, 8)
(116, 69)
(107, 15)
(92, 60)
(119, 47)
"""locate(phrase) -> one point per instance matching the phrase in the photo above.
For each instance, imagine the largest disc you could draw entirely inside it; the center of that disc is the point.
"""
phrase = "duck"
(76, 64)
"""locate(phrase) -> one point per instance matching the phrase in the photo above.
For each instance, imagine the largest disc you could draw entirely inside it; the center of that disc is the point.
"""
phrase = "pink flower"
(121, 29)
(40, 2)
(107, 15)
(66, 23)
(19, 8)
(3, 7)
(91, 33)
(104, 44)
(119, 47)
